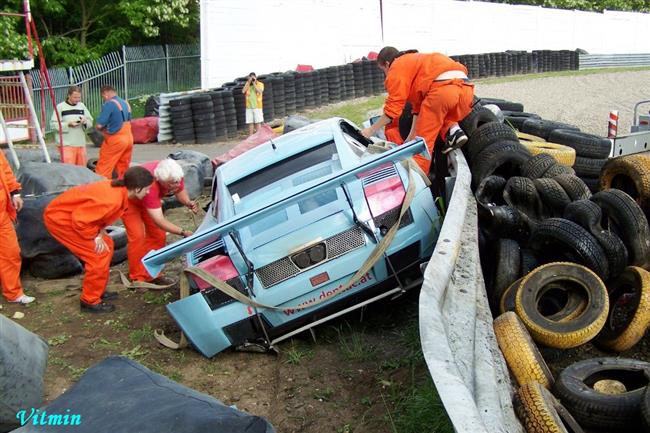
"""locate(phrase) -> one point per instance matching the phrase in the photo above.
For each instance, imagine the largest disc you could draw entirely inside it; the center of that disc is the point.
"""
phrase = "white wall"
(240, 36)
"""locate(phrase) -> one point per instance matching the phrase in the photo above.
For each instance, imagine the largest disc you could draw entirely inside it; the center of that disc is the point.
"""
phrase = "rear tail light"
(383, 189)
(220, 266)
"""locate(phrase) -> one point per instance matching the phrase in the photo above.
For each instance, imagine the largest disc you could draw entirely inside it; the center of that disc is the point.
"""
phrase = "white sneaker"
(24, 300)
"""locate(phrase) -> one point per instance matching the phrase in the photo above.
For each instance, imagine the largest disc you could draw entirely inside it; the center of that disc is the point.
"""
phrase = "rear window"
(287, 167)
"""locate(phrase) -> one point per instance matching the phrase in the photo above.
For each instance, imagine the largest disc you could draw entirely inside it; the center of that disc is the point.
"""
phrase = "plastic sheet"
(264, 134)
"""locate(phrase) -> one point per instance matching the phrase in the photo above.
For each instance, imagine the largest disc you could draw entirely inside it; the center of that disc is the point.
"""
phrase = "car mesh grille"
(336, 246)
(388, 219)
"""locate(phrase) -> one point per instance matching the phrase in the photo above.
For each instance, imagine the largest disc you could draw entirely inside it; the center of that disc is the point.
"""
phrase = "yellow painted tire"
(569, 333)
(630, 174)
(540, 412)
(620, 337)
(523, 359)
(529, 137)
(562, 154)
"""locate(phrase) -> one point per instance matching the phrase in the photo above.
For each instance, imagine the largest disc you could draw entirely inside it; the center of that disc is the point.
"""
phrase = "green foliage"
(14, 45)
(588, 5)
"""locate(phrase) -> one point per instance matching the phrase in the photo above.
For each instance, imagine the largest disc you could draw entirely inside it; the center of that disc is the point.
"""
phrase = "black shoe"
(455, 141)
(102, 307)
(107, 296)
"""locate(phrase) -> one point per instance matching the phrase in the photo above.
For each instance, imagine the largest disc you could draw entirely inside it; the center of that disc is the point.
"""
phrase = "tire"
(51, 266)
(562, 154)
(91, 164)
(521, 193)
(477, 117)
(620, 335)
(574, 187)
(490, 191)
(593, 183)
(487, 134)
(505, 158)
(586, 145)
(520, 114)
(184, 101)
(506, 268)
(625, 218)
(528, 262)
(505, 221)
(559, 170)
(557, 239)
(540, 412)
(630, 174)
(543, 128)
(521, 355)
(645, 409)
(503, 104)
(118, 235)
(588, 167)
(604, 412)
(564, 334)
(552, 195)
(508, 297)
(119, 255)
(536, 166)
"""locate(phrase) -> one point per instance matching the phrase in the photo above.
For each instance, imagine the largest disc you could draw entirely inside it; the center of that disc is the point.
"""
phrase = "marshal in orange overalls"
(115, 152)
(438, 104)
(9, 249)
(76, 217)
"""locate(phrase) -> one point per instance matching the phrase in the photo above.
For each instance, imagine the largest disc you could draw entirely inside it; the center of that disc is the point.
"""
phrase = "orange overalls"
(115, 152)
(75, 218)
(10, 260)
(143, 235)
(438, 104)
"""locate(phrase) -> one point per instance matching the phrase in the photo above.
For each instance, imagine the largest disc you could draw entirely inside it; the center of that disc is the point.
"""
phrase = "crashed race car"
(301, 229)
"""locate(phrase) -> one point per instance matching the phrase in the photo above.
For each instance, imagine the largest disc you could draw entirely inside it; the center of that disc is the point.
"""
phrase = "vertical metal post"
(167, 66)
(126, 84)
(70, 76)
(5, 130)
(32, 112)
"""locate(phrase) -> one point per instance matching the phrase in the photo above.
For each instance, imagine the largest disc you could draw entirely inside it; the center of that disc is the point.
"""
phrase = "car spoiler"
(156, 259)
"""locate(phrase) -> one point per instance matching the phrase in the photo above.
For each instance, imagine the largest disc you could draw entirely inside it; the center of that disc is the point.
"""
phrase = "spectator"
(438, 89)
(10, 204)
(253, 89)
(75, 118)
(78, 218)
(115, 123)
(146, 226)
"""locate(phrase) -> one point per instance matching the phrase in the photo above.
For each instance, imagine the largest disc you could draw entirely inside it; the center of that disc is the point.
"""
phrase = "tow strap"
(227, 289)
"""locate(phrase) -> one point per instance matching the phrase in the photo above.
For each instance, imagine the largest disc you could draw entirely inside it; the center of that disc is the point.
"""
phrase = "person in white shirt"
(75, 119)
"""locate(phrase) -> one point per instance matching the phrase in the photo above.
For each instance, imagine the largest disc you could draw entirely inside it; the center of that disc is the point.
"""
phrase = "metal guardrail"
(592, 61)
(134, 72)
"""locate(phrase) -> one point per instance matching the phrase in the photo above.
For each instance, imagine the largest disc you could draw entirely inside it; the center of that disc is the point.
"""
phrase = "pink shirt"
(155, 195)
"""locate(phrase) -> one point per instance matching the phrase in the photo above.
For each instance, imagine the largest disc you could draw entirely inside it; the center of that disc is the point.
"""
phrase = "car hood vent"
(379, 175)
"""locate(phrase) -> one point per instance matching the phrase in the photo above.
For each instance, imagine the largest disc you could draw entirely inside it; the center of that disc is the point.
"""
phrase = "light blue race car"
(299, 232)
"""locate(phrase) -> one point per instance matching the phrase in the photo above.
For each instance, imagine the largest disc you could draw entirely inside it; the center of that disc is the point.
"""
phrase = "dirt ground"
(355, 372)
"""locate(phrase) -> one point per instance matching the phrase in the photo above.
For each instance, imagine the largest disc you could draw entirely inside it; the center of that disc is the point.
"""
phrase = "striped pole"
(612, 127)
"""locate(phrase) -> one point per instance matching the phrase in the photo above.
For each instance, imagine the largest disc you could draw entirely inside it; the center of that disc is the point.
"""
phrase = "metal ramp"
(15, 94)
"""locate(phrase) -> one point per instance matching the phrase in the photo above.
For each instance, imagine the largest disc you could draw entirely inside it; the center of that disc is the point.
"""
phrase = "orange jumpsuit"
(115, 152)
(75, 218)
(438, 104)
(142, 233)
(9, 249)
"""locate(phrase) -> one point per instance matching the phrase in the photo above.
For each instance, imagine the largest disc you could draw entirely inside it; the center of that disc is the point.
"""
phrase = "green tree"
(75, 31)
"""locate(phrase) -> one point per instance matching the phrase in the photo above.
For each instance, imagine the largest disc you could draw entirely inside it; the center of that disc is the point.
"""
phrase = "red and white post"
(612, 127)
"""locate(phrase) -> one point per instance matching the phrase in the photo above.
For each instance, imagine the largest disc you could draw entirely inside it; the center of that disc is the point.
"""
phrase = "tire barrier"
(540, 411)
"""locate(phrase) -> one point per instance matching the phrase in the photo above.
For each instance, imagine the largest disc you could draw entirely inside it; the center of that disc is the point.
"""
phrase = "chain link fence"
(134, 72)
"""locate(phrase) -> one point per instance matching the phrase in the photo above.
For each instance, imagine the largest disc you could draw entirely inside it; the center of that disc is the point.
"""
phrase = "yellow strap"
(141, 284)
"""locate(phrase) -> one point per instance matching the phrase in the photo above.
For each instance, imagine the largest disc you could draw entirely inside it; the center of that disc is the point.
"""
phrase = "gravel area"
(581, 100)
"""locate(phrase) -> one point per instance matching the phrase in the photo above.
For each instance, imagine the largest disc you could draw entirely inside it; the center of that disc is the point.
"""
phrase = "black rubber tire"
(477, 117)
(119, 255)
(487, 134)
(574, 187)
(536, 166)
(588, 167)
(558, 170)
(568, 332)
(504, 221)
(51, 266)
(505, 158)
(543, 128)
(178, 102)
(588, 215)
(645, 409)
(593, 183)
(520, 114)
(118, 235)
(507, 267)
(515, 122)
(490, 191)
(553, 196)
(521, 193)
(91, 164)
(623, 216)
(586, 145)
(604, 412)
(503, 104)
(557, 239)
(528, 262)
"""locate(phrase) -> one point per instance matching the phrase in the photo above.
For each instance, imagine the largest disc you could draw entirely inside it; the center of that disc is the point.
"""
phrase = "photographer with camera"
(75, 119)
(253, 90)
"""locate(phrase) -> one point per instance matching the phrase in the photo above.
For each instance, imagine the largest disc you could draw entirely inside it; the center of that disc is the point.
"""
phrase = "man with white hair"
(146, 226)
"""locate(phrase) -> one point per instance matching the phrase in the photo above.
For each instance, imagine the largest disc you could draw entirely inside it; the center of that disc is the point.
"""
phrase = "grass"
(353, 344)
(356, 111)
(141, 335)
(511, 78)
(295, 354)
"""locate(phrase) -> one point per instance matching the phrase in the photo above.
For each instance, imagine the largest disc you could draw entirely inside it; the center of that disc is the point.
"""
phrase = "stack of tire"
(182, 122)
(308, 85)
(289, 79)
(219, 115)
(359, 79)
(377, 78)
(299, 82)
(279, 102)
(229, 110)
(347, 72)
(334, 84)
(368, 74)
(203, 117)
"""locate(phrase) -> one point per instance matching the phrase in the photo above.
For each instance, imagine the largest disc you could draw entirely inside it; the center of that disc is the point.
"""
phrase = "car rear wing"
(155, 260)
